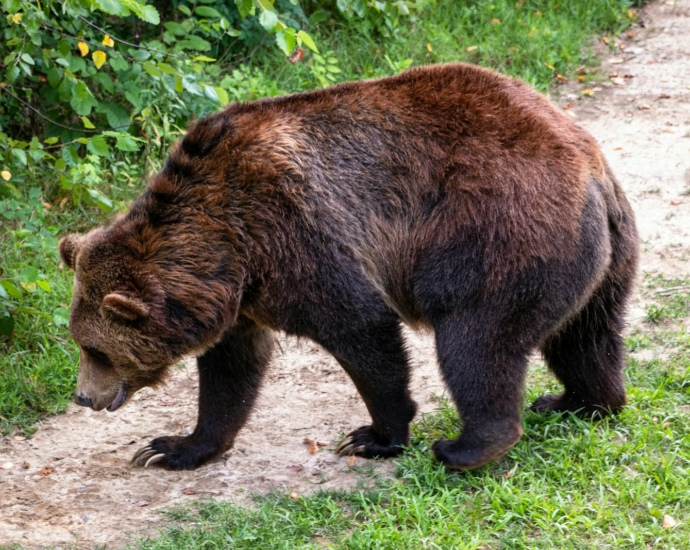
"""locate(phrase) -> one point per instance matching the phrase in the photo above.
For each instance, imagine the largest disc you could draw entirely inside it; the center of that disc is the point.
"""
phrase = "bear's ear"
(125, 306)
(68, 247)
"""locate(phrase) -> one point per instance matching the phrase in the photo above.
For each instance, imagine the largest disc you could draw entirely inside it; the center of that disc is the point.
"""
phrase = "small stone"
(294, 496)
(644, 106)
(7, 466)
(634, 50)
(19, 438)
(669, 522)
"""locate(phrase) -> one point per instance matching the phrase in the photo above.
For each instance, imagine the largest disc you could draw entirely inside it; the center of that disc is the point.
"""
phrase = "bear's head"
(119, 319)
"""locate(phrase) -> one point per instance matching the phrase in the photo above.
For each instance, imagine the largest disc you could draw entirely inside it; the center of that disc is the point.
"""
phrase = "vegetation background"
(93, 93)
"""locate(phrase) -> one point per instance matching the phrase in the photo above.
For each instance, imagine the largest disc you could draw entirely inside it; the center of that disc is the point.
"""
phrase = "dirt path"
(71, 483)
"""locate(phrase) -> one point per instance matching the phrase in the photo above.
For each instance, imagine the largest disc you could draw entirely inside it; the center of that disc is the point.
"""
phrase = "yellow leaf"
(631, 14)
(428, 47)
(495, 21)
(17, 18)
(6, 175)
(588, 91)
(99, 58)
(107, 41)
(550, 66)
(470, 48)
(83, 48)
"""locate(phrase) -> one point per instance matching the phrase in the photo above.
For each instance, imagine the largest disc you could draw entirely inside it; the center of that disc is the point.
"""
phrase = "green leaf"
(268, 20)
(69, 155)
(285, 38)
(245, 7)
(28, 275)
(184, 9)
(105, 81)
(52, 140)
(112, 7)
(82, 99)
(307, 41)
(11, 289)
(146, 13)
(118, 63)
(87, 123)
(61, 316)
(318, 17)
(26, 58)
(6, 323)
(222, 95)
(194, 43)
(43, 284)
(103, 202)
(203, 58)
(20, 156)
(175, 28)
(211, 93)
(205, 11)
(139, 54)
(116, 115)
(125, 142)
(151, 68)
(167, 69)
(98, 146)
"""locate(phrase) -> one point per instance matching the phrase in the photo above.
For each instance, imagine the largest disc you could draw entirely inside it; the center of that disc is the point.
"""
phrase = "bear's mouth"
(119, 398)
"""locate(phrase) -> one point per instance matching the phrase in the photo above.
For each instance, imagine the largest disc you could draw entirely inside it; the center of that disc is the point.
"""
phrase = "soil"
(71, 484)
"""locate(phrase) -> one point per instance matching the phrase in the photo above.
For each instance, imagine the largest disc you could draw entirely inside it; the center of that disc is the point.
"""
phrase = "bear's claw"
(155, 458)
(142, 455)
(348, 447)
(367, 443)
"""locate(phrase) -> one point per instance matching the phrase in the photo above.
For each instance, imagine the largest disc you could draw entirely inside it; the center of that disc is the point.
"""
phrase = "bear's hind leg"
(230, 375)
(484, 371)
(587, 356)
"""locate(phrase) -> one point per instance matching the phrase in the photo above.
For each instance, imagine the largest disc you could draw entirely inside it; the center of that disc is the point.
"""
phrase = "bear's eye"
(98, 356)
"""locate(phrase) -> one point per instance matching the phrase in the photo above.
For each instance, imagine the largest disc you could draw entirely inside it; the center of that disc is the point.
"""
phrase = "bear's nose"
(81, 399)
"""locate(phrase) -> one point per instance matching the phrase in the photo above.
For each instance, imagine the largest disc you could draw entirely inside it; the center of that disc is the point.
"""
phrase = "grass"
(569, 484)
(39, 364)
(534, 40)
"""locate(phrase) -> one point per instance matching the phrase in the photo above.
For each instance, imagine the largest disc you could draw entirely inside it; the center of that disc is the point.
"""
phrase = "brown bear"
(448, 197)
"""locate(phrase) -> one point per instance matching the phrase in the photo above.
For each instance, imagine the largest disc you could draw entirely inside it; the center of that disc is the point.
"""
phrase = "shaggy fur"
(449, 197)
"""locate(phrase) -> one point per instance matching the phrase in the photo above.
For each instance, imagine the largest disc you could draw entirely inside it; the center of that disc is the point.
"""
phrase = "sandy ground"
(71, 484)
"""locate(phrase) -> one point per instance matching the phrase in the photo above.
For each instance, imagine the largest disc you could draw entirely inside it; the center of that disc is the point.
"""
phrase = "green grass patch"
(39, 362)
(533, 40)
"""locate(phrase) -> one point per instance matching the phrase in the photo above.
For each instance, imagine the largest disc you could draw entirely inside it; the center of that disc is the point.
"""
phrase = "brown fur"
(448, 196)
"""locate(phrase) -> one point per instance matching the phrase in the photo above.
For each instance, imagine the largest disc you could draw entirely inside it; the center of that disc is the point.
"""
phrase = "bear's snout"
(81, 399)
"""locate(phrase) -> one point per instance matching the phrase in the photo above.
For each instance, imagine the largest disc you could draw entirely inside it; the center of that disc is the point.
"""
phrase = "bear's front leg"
(230, 375)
